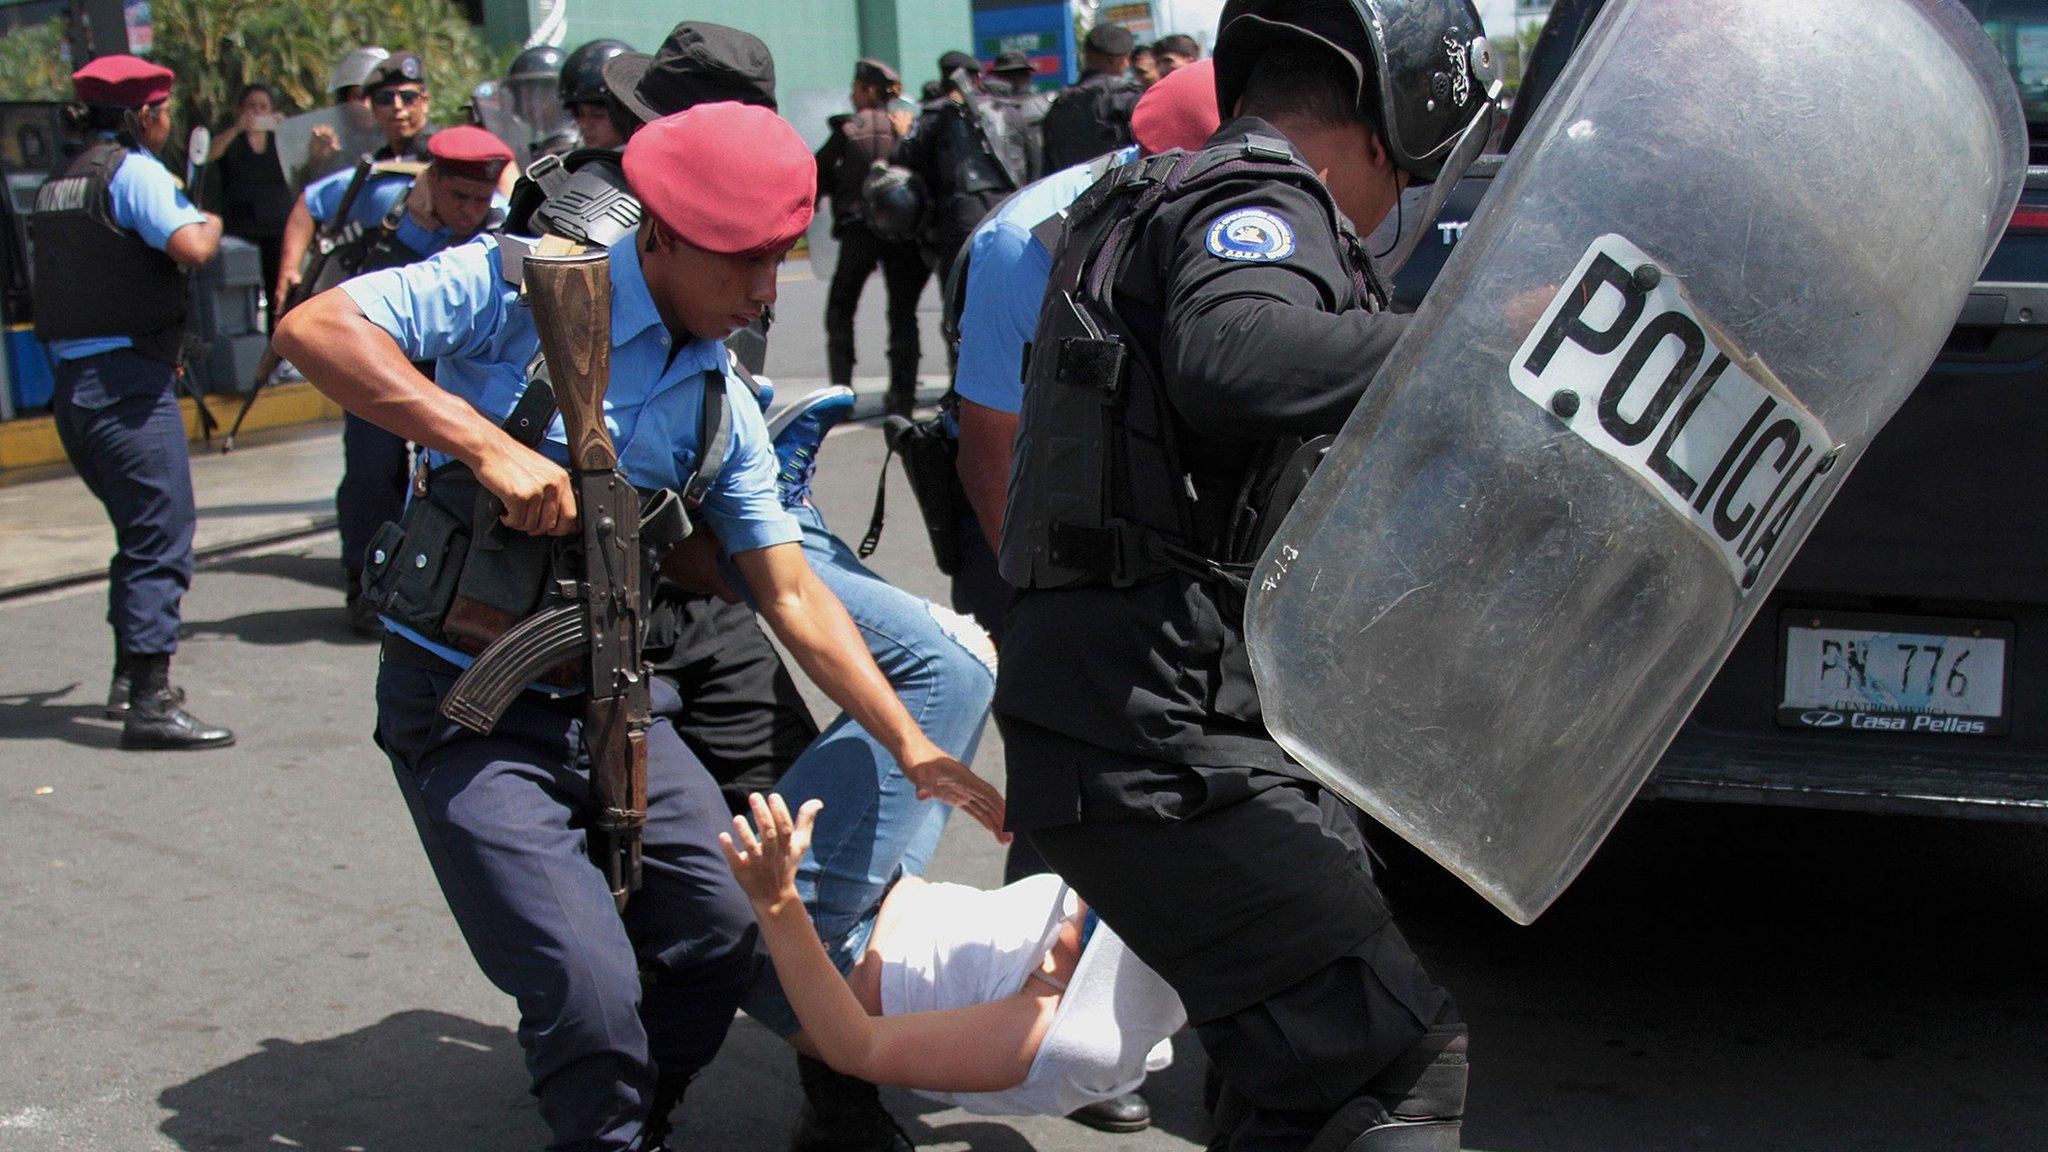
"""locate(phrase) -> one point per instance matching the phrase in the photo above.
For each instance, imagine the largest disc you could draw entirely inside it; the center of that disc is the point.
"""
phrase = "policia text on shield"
(1561, 520)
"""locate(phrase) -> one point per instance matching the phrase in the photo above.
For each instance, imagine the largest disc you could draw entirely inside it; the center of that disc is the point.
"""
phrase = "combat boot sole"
(160, 742)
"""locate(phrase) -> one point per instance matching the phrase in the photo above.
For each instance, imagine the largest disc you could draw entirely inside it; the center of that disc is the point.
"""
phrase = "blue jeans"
(874, 828)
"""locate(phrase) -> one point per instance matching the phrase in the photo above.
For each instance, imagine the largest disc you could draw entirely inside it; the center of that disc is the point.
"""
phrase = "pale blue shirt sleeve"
(447, 306)
(744, 505)
(323, 196)
(1005, 287)
(145, 197)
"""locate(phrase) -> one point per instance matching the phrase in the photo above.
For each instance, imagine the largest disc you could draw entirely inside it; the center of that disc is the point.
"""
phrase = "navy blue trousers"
(117, 416)
(605, 1003)
(373, 477)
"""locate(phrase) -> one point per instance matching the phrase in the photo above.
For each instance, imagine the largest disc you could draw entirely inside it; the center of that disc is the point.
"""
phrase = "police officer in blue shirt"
(400, 103)
(616, 1013)
(398, 218)
(114, 236)
(1008, 259)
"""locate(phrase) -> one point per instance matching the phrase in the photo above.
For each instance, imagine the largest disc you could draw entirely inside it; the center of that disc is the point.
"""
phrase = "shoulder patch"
(1251, 234)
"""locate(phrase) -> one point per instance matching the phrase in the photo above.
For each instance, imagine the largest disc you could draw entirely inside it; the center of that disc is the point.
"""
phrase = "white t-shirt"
(958, 946)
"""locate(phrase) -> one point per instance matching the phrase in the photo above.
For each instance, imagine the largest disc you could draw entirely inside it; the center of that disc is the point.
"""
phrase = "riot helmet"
(1426, 73)
(353, 70)
(532, 90)
(895, 201)
(583, 72)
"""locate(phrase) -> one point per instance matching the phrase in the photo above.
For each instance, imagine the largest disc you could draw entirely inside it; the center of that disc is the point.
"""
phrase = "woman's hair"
(1303, 81)
(97, 118)
(243, 95)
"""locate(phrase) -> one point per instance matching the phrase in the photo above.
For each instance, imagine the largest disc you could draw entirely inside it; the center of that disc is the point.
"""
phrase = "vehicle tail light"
(2030, 220)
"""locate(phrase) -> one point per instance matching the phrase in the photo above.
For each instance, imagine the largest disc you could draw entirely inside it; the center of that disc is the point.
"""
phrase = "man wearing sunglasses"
(399, 102)
(375, 464)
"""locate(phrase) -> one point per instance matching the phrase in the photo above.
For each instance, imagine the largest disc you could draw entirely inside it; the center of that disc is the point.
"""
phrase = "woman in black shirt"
(255, 196)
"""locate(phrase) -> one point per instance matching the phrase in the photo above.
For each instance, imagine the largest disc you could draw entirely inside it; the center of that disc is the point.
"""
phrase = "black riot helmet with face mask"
(1427, 76)
(532, 90)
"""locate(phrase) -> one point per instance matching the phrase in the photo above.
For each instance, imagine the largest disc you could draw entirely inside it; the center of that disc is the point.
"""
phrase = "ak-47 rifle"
(324, 244)
(571, 301)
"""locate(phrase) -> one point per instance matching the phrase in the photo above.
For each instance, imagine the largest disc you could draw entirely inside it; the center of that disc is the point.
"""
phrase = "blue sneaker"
(799, 431)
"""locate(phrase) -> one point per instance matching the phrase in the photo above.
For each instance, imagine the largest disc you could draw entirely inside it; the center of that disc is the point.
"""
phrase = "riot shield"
(353, 129)
(1727, 249)
(823, 248)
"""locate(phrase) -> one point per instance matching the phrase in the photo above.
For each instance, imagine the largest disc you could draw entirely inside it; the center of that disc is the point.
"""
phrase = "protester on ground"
(1017, 1001)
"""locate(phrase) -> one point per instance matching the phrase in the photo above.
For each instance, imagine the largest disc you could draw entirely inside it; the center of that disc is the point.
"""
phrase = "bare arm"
(298, 236)
(221, 142)
(987, 438)
(811, 621)
(360, 367)
(983, 1048)
(195, 244)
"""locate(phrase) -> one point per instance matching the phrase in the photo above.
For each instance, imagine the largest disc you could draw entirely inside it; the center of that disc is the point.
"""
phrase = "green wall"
(815, 42)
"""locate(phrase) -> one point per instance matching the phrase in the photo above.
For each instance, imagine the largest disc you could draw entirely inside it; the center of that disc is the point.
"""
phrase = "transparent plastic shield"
(1725, 252)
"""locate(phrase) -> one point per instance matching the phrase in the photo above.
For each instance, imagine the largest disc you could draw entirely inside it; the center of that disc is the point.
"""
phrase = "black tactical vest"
(1099, 493)
(1088, 119)
(964, 160)
(94, 277)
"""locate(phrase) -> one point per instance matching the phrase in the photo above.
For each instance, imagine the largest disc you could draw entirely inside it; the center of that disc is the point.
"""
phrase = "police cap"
(730, 178)
(1011, 61)
(868, 70)
(397, 68)
(952, 62)
(1111, 40)
(122, 81)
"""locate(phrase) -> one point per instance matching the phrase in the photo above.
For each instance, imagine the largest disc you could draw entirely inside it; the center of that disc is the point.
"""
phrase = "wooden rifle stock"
(571, 301)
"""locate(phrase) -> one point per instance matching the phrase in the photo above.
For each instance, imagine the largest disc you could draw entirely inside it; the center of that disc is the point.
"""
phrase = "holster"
(930, 454)
(450, 571)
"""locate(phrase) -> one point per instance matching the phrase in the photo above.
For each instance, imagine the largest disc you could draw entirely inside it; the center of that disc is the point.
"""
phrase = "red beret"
(1179, 111)
(122, 82)
(729, 178)
(469, 153)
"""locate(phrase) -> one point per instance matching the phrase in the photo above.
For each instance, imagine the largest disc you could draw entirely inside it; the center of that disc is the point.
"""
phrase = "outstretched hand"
(766, 864)
(954, 783)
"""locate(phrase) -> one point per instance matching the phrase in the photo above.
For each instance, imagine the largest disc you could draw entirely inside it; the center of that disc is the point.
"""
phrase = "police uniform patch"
(1251, 234)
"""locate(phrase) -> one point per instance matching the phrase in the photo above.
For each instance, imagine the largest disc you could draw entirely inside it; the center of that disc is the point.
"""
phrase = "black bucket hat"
(699, 63)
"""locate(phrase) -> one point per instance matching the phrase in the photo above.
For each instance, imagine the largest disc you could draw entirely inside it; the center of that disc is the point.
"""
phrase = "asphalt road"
(244, 949)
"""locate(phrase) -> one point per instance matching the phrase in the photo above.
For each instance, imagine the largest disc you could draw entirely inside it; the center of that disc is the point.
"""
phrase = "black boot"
(842, 1114)
(1416, 1105)
(155, 720)
(668, 1092)
(1126, 1113)
(122, 688)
